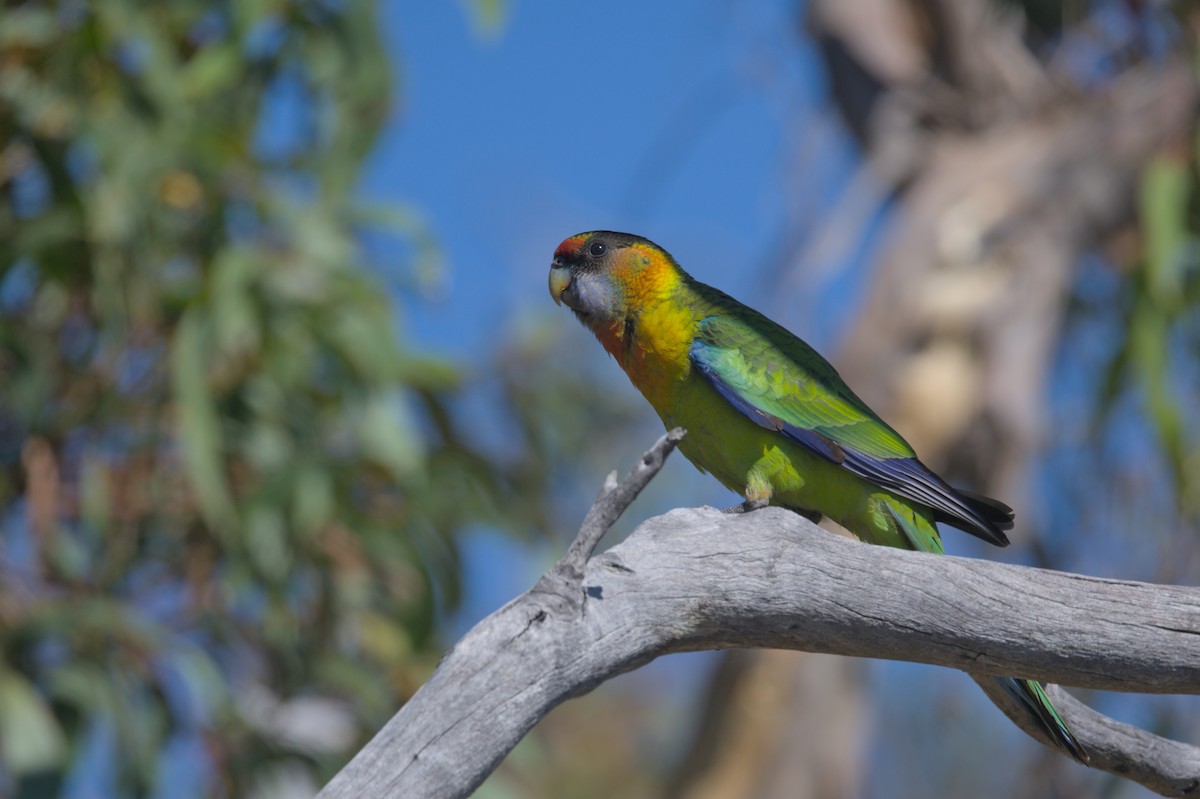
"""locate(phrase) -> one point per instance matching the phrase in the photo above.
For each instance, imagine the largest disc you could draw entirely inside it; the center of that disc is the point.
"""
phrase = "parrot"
(766, 415)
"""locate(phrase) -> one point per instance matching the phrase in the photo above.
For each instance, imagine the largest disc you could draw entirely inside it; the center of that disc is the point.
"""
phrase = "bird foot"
(747, 506)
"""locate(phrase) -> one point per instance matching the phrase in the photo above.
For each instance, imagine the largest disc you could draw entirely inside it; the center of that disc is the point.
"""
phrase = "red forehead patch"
(571, 248)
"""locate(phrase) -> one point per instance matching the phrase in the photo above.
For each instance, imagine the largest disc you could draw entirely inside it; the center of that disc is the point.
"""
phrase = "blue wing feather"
(818, 443)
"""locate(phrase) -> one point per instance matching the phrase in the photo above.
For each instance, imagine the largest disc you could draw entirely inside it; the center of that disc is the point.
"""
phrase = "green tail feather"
(914, 528)
(1033, 698)
(921, 535)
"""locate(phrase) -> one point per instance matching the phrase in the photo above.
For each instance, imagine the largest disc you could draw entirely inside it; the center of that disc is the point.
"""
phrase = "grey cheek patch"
(592, 295)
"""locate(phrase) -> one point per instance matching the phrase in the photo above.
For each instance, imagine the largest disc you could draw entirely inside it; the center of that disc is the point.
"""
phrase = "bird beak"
(560, 281)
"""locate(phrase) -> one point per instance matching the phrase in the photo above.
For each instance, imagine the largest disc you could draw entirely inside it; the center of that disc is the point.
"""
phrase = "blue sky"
(667, 119)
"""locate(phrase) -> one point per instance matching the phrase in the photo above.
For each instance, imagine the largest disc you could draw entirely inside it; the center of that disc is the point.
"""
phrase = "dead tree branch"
(698, 578)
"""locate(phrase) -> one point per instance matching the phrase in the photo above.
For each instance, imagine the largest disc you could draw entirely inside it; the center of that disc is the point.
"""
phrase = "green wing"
(784, 379)
(782, 384)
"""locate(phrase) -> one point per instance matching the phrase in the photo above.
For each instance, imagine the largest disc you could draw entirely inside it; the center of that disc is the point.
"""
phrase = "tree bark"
(700, 578)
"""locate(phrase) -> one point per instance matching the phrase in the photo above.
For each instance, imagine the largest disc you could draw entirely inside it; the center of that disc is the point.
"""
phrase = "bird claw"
(747, 506)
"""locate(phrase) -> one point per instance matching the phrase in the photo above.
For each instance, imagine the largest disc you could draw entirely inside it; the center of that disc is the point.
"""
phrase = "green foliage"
(228, 493)
(1161, 336)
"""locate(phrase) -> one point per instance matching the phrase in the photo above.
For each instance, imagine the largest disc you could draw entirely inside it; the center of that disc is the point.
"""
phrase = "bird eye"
(597, 248)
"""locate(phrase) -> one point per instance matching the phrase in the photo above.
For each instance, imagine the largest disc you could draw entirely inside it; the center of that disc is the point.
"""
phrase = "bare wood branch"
(701, 579)
(613, 500)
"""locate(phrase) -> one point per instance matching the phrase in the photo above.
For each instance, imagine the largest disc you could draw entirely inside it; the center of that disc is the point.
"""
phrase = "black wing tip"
(997, 537)
(992, 517)
(979, 528)
(997, 513)
(976, 524)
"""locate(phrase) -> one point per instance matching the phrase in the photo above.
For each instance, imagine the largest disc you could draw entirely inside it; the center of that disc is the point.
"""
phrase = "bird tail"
(1033, 698)
(920, 534)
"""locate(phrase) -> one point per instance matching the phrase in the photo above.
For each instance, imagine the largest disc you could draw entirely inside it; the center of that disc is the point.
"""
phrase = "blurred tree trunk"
(1004, 173)
(739, 747)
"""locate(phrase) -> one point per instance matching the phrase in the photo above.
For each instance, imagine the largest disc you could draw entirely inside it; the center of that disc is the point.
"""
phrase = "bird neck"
(652, 344)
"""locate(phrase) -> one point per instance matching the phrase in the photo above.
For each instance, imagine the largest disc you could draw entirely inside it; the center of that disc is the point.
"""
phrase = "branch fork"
(565, 578)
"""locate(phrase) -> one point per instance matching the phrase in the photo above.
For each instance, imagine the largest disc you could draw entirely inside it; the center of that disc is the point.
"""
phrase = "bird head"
(605, 276)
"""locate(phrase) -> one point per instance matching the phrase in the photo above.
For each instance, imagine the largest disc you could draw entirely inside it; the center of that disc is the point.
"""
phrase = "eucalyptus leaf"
(31, 739)
(199, 425)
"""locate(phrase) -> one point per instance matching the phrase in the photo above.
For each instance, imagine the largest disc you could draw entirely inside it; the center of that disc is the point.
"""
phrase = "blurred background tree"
(230, 494)
(243, 486)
